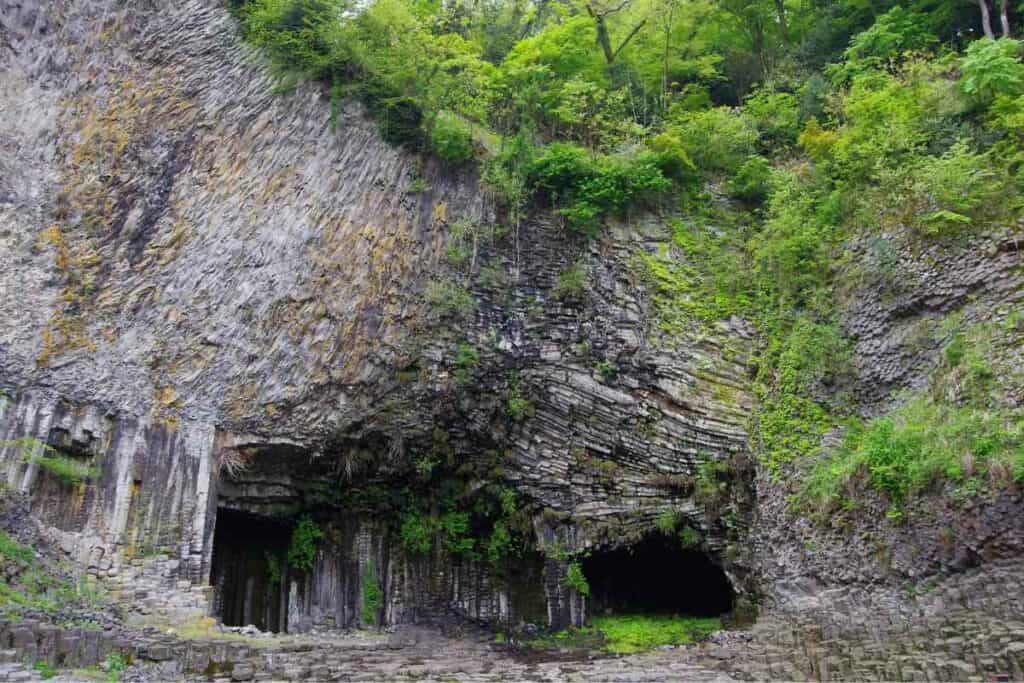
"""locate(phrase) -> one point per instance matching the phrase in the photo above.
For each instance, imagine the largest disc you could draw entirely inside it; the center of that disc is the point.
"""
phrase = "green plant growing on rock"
(373, 597)
(575, 579)
(68, 470)
(607, 370)
(115, 664)
(273, 563)
(451, 138)
(449, 299)
(466, 359)
(45, 670)
(302, 549)
(628, 633)
(572, 282)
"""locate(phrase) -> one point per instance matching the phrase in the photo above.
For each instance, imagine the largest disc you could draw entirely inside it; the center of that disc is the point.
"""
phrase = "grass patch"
(921, 443)
(638, 632)
(627, 633)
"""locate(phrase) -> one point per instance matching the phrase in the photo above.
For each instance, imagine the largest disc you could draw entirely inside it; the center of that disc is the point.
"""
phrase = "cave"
(249, 571)
(657, 576)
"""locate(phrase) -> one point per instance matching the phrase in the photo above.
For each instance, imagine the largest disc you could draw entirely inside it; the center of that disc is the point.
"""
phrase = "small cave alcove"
(656, 576)
(249, 572)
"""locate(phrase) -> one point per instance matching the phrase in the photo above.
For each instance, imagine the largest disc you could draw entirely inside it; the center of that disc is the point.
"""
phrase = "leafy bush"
(718, 139)
(572, 282)
(905, 452)
(304, 541)
(450, 138)
(417, 533)
(448, 298)
(896, 33)
(992, 68)
(752, 182)
(575, 579)
(69, 470)
(592, 188)
(776, 115)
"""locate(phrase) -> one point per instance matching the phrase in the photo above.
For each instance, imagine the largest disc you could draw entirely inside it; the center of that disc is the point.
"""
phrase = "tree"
(600, 13)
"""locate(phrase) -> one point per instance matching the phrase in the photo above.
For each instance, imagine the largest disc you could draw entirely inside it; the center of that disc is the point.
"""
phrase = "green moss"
(373, 597)
(304, 541)
(635, 633)
(575, 579)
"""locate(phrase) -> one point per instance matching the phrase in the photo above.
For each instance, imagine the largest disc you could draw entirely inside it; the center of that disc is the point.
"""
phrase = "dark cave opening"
(656, 576)
(249, 570)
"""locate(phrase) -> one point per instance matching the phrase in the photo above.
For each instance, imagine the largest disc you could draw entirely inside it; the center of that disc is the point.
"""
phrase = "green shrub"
(302, 548)
(575, 579)
(991, 68)
(918, 444)
(373, 596)
(417, 533)
(450, 299)
(752, 182)
(115, 664)
(716, 139)
(450, 138)
(45, 670)
(466, 358)
(572, 282)
(896, 33)
(776, 116)
(519, 408)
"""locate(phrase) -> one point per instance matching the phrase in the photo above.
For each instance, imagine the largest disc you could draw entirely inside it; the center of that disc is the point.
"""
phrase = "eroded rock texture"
(197, 269)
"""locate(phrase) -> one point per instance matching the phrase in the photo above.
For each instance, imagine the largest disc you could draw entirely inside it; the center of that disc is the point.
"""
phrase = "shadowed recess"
(656, 576)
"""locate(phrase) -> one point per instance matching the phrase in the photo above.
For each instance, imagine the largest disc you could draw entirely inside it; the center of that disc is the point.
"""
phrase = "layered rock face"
(198, 270)
(235, 305)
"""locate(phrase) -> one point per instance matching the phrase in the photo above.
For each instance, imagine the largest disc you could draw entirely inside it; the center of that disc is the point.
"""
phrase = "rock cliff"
(230, 297)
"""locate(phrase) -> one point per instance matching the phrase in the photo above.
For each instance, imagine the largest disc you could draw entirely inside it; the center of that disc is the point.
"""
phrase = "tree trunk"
(780, 10)
(1004, 18)
(602, 38)
(986, 19)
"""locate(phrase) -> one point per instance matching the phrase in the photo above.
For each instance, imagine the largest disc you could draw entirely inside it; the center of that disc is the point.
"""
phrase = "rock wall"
(202, 265)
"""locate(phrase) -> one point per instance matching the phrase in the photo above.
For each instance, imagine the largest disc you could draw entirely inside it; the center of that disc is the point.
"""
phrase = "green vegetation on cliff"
(775, 134)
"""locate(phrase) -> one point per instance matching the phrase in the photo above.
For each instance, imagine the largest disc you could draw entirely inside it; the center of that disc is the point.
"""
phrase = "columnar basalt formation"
(236, 308)
(201, 270)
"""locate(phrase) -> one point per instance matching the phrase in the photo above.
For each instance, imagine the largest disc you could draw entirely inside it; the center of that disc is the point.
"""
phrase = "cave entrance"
(656, 576)
(249, 571)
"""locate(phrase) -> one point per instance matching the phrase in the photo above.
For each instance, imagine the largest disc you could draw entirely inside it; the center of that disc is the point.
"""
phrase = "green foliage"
(115, 664)
(718, 139)
(303, 545)
(992, 68)
(919, 444)
(519, 407)
(466, 359)
(417, 534)
(449, 299)
(776, 116)
(752, 182)
(572, 282)
(590, 188)
(628, 633)
(575, 579)
(450, 138)
(45, 670)
(607, 370)
(690, 538)
(898, 32)
(373, 597)
(69, 470)
(13, 553)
